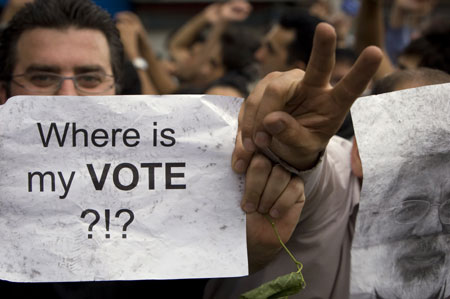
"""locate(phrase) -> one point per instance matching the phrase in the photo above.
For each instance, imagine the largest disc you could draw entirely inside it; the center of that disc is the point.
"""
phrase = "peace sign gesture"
(295, 113)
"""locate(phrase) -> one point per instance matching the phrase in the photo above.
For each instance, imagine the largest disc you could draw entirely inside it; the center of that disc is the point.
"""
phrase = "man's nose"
(67, 88)
(259, 54)
(430, 224)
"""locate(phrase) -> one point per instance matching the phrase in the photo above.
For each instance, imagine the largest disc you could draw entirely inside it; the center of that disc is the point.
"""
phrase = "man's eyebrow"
(88, 68)
(43, 68)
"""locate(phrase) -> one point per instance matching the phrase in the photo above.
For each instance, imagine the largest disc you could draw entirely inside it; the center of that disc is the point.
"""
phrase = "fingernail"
(249, 207)
(274, 213)
(276, 127)
(262, 210)
(248, 145)
(239, 166)
(262, 139)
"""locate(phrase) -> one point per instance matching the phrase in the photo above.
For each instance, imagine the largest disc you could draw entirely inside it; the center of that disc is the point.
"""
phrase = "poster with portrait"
(401, 247)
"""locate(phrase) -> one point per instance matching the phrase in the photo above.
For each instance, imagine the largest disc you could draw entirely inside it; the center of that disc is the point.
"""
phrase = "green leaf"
(282, 286)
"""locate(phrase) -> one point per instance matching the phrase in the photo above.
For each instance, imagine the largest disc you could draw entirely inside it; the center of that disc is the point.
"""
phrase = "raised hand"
(131, 31)
(231, 11)
(235, 10)
(295, 113)
(419, 7)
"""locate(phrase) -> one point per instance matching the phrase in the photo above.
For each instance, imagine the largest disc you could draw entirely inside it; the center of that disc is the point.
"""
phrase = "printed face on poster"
(401, 247)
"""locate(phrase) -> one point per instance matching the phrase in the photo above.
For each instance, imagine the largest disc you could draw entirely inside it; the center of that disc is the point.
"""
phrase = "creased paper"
(119, 188)
(401, 247)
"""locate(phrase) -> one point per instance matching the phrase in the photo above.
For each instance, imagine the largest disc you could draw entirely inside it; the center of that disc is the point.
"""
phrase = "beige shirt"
(322, 239)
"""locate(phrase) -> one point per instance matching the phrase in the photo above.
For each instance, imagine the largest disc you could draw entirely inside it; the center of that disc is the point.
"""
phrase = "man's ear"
(3, 93)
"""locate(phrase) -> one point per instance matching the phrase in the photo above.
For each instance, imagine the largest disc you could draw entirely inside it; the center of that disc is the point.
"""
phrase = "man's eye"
(90, 80)
(43, 80)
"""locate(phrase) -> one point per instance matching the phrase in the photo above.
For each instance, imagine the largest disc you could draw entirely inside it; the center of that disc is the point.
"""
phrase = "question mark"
(129, 212)
(97, 218)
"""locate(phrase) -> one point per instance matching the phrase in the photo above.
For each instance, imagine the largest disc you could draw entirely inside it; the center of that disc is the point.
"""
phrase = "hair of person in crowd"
(57, 14)
(304, 26)
(238, 51)
(234, 82)
(410, 78)
(430, 50)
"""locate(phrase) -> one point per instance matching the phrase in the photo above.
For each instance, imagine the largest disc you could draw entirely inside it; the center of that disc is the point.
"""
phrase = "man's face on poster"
(409, 234)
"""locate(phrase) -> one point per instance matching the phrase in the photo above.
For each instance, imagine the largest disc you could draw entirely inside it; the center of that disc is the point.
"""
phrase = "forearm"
(370, 30)
(369, 25)
(398, 17)
(147, 86)
(185, 36)
(160, 77)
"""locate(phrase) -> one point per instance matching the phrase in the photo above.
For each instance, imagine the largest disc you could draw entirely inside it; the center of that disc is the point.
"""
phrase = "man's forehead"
(424, 178)
(67, 47)
(281, 35)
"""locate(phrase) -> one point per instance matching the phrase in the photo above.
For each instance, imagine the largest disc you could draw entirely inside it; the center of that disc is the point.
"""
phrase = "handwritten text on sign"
(113, 188)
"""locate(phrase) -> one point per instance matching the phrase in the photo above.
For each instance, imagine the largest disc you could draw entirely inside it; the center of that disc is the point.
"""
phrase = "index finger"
(321, 62)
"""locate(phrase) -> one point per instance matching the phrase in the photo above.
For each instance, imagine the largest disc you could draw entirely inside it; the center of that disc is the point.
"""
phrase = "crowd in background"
(218, 52)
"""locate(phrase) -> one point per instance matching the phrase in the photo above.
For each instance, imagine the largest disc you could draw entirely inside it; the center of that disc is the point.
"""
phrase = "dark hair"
(238, 49)
(345, 55)
(425, 76)
(433, 50)
(60, 14)
(304, 26)
(233, 80)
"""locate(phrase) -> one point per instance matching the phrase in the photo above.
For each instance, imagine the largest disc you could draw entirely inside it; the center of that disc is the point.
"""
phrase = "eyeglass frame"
(62, 79)
(429, 206)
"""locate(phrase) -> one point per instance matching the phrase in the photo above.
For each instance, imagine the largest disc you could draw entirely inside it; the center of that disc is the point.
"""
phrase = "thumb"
(283, 127)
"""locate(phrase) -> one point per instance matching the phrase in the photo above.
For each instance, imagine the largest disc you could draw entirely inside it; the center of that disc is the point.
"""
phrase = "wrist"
(295, 168)
(139, 63)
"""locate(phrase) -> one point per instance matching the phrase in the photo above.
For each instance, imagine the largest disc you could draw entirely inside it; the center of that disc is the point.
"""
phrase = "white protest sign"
(401, 245)
(119, 188)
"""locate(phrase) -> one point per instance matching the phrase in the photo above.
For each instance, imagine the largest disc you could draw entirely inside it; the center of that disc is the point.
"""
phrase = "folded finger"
(251, 106)
(278, 180)
(277, 93)
(255, 181)
(240, 158)
(292, 195)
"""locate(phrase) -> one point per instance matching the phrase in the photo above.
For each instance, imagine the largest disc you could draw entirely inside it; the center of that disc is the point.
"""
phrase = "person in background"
(371, 29)
(199, 62)
(288, 44)
(10, 9)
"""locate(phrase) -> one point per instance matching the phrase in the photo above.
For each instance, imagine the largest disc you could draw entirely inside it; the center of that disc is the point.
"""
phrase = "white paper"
(401, 246)
(191, 232)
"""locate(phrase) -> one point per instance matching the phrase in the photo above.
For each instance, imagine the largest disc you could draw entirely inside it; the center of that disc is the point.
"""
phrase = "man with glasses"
(58, 55)
(407, 243)
(401, 245)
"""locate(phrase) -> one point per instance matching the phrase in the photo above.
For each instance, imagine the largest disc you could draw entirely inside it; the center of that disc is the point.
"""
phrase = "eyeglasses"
(413, 211)
(45, 83)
